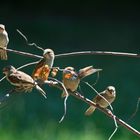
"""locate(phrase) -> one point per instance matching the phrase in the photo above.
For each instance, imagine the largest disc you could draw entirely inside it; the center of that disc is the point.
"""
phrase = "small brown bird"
(71, 79)
(22, 81)
(4, 40)
(109, 94)
(43, 68)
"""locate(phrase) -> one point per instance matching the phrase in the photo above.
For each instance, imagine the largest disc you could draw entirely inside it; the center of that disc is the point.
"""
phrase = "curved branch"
(110, 115)
(119, 121)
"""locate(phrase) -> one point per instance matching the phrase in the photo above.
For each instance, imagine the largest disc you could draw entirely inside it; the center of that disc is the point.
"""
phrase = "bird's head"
(8, 70)
(69, 72)
(111, 91)
(2, 28)
(49, 54)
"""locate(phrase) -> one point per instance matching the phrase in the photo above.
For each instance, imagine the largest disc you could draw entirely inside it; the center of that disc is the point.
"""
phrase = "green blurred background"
(68, 26)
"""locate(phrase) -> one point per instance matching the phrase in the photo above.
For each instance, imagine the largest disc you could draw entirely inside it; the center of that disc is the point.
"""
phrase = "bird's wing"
(20, 76)
(7, 38)
(90, 110)
(98, 98)
(38, 68)
(40, 63)
(87, 71)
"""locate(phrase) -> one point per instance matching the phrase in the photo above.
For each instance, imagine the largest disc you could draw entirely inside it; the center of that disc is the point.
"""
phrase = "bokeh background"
(69, 26)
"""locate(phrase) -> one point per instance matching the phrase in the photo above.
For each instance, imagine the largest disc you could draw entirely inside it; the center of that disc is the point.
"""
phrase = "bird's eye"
(67, 71)
(110, 90)
(48, 52)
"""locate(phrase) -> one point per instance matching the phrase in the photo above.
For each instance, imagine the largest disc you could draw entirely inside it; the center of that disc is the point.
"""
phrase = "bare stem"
(99, 53)
(65, 100)
(78, 53)
(27, 42)
(136, 110)
(24, 53)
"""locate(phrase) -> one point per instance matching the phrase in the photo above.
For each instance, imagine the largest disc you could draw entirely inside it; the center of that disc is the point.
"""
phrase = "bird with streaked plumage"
(21, 81)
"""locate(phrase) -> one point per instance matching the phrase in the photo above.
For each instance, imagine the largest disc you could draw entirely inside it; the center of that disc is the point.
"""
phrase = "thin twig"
(97, 79)
(65, 100)
(116, 128)
(24, 53)
(2, 78)
(137, 107)
(28, 64)
(99, 53)
(27, 42)
(80, 89)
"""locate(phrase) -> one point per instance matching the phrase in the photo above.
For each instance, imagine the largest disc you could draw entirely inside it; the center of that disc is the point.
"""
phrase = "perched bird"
(22, 81)
(71, 79)
(109, 94)
(3, 42)
(43, 68)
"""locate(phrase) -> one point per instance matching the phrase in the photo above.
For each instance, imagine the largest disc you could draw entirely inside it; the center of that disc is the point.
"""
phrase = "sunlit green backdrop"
(71, 28)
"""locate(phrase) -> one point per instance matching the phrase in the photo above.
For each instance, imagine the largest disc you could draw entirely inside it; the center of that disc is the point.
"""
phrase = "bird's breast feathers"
(41, 72)
(3, 40)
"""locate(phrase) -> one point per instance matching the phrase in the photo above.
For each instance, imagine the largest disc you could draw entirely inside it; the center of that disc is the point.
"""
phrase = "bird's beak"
(46, 56)
(73, 73)
(112, 92)
(4, 71)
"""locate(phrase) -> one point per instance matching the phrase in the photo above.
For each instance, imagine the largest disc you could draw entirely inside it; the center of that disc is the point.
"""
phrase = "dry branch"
(110, 115)
(78, 95)
(78, 53)
(99, 53)
(119, 121)
(24, 53)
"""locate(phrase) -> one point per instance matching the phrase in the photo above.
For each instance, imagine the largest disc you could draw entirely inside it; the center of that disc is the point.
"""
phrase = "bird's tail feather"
(3, 54)
(87, 71)
(90, 110)
(41, 91)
